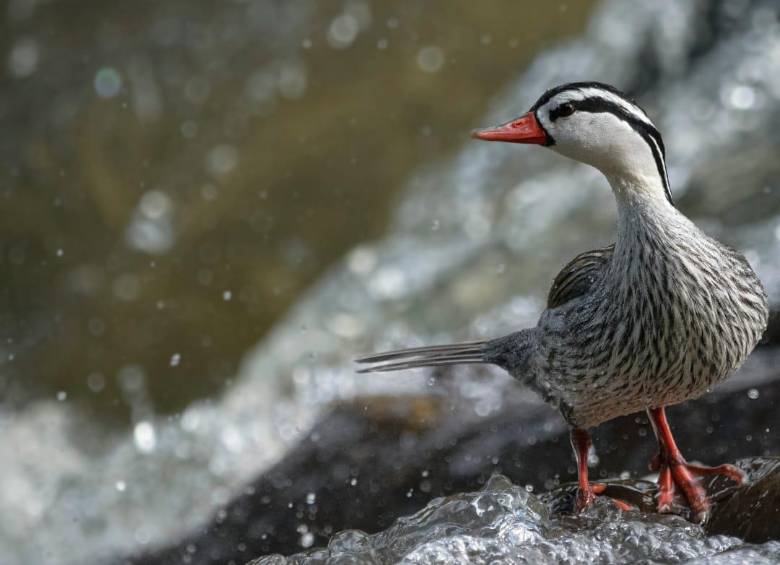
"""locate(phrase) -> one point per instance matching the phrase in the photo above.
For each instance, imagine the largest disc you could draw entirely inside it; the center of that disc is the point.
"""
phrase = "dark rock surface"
(367, 463)
(752, 512)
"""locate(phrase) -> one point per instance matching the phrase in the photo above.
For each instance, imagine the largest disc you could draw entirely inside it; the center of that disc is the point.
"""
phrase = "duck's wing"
(578, 276)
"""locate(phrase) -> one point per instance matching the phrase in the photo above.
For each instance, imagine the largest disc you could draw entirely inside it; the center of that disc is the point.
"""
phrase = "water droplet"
(227, 296)
(96, 382)
(145, 437)
(307, 539)
(430, 59)
(221, 160)
(360, 10)
(23, 58)
(753, 394)
(342, 31)
(62, 396)
(292, 81)
(151, 229)
(362, 260)
(742, 97)
(175, 359)
(345, 325)
(108, 82)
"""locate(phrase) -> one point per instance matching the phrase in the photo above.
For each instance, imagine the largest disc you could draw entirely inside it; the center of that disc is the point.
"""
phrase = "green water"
(174, 175)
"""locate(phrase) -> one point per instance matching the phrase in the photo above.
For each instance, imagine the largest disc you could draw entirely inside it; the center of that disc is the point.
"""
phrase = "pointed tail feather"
(513, 352)
(428, 356)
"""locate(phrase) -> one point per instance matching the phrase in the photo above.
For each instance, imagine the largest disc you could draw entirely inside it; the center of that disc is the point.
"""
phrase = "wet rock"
(367, 463)
(753, 511)
(749, 511)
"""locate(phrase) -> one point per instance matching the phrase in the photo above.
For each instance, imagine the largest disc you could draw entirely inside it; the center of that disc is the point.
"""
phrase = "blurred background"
(175, 175)
(208, 208)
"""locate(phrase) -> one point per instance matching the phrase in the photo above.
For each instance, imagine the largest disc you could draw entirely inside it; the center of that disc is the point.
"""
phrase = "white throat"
(645, 214)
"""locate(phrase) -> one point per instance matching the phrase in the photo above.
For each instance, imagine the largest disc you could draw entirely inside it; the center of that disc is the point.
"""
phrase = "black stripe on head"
(596, 104)
(545, 98)
(651, 135)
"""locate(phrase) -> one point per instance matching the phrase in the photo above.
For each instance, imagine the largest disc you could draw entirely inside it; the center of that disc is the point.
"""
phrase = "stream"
(470, 253)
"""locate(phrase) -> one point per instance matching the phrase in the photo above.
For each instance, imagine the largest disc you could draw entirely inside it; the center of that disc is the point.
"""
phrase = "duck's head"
(596, 124)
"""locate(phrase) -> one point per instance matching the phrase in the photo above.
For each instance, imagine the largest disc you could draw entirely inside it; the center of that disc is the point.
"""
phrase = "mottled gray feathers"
(578, 276)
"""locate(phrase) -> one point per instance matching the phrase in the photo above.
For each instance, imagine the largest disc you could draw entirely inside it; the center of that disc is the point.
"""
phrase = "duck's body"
(655, 319)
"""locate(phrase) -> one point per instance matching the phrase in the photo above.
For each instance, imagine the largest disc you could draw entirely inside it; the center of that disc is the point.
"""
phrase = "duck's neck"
(647, 220)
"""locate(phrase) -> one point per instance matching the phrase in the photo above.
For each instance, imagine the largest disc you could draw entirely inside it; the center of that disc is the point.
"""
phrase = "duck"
(655, 319)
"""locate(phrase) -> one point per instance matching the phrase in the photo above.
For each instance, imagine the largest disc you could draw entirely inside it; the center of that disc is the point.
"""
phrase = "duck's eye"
(566, 109)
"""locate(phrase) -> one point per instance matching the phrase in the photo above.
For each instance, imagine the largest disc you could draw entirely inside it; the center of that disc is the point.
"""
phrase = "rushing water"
(471, 251)
(504, 523)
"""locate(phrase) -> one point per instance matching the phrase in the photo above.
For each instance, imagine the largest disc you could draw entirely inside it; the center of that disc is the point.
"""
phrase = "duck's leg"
(587, 491)
(580, 442)
(676, 473)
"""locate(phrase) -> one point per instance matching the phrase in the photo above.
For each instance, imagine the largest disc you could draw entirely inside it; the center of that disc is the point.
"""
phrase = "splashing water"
(503, 523)
(469, 255)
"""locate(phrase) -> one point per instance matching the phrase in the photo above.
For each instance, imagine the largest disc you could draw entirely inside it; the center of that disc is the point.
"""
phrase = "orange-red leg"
(674, 473)
(580, 442)
(587, 491)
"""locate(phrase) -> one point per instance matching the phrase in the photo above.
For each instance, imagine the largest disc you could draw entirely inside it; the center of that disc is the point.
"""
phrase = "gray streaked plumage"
(655, 319)
(660, 318)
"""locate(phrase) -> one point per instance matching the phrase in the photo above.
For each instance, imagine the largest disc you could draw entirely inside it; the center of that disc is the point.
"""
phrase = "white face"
(597, 137)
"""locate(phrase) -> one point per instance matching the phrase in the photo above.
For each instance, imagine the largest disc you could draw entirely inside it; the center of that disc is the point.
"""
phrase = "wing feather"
(578, 276)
